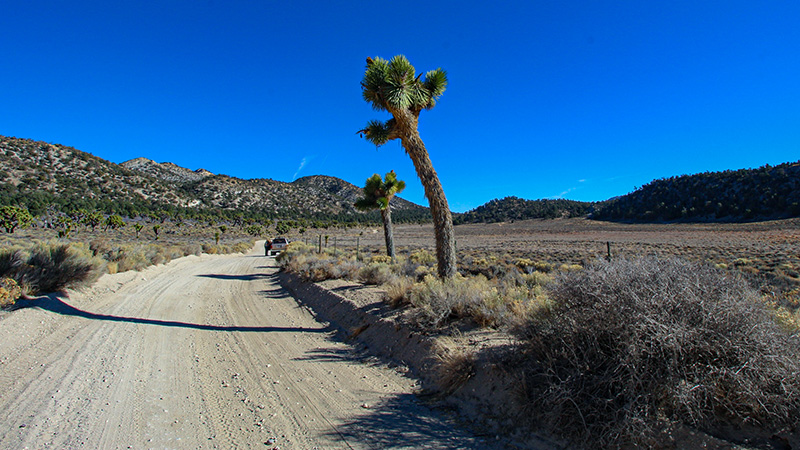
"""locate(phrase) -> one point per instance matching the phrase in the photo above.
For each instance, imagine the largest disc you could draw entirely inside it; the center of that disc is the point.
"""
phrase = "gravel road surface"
(204, 352)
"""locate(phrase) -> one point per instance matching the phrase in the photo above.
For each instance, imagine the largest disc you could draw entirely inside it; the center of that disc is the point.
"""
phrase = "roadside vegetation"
(54, 265)
(611, 353)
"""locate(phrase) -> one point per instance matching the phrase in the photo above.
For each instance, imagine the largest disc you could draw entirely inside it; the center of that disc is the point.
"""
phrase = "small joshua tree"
(138, 228)
(378, 194)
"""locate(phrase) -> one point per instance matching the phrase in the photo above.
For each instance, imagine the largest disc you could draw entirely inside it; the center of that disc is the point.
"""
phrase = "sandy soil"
(204, 352)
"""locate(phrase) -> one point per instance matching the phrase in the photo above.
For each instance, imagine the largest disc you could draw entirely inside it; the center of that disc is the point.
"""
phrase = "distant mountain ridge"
(767, 192)
(41, 175)
(515, 208)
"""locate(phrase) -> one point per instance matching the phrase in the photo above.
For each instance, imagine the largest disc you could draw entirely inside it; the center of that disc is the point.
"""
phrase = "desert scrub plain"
(688, 327)
(36, 260)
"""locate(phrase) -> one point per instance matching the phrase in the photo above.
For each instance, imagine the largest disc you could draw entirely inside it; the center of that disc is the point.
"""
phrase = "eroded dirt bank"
(204, 352)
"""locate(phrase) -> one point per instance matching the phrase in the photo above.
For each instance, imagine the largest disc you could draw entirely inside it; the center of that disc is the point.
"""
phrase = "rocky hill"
(41, 175)
(768, 192)
(166, 171)
(515, 208)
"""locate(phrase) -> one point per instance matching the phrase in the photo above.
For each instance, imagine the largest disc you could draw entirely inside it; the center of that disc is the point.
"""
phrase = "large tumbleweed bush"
(631, 348)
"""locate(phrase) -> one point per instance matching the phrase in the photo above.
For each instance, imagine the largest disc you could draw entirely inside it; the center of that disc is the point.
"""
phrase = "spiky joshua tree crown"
(395, 87)
(378, 192)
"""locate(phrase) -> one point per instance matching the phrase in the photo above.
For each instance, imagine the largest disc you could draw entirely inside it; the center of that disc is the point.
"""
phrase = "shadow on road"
(54, 303)
(248, 277)
(401, 422)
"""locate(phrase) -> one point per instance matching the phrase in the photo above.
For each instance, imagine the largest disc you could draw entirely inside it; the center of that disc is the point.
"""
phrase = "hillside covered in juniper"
(768, 192)
(514, 208)
(41, 176)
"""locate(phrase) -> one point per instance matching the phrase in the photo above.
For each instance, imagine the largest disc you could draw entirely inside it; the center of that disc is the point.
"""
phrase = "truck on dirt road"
(275, 246)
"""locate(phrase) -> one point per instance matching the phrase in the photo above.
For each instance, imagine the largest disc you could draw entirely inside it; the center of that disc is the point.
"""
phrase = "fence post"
(608, 250)
(320, 244)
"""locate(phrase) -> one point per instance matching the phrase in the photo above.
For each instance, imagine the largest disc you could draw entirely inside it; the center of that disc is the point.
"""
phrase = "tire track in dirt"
(204, 352)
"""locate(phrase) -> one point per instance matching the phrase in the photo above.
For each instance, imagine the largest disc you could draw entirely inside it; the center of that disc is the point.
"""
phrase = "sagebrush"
(630, 348)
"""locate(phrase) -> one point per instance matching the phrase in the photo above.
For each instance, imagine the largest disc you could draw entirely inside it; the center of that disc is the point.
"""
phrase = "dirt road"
(204, 352)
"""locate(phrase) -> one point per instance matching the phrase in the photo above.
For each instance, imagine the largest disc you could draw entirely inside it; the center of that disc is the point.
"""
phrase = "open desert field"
(762, 249)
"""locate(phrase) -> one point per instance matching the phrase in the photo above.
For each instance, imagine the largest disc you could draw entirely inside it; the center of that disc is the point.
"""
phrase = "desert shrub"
(348, 269)
(397, 291)
(630, 348)
(423, 257)
(385, 259)
(192, 249)
(11, 259)
(454, 366)
(376, 273)
(569, 267)
(51, 267)
(10, 292)
(440, 301)
(318, 269)
(302, 260)
(129, 257)
(213, 249)
(242, 247)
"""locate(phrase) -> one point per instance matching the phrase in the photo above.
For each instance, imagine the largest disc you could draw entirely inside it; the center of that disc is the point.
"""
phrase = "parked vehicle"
(275, 246)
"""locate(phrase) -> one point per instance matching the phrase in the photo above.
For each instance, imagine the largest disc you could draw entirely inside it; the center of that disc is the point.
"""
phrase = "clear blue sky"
(582, 100)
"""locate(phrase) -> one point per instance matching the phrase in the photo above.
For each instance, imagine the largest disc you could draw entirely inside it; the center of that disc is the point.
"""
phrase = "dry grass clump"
(302, 259)
(50, 267)
(224, 249)
(412, 281)
(455, 364)
(376, 273)
(631, 348)
(491, 303)
(397, 291)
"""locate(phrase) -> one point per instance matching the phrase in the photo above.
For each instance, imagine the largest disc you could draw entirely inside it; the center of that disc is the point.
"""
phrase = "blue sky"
(582, 100)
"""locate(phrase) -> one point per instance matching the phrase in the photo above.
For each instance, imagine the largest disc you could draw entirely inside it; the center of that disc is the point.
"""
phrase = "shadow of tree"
(402, 422)
(248, 277)
(54, 303)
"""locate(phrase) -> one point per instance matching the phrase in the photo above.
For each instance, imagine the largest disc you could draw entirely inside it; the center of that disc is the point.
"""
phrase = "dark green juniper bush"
(394, 86)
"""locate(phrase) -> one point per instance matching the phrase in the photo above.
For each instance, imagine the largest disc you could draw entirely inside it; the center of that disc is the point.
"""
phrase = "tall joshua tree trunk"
(440, 211)
(388, 234)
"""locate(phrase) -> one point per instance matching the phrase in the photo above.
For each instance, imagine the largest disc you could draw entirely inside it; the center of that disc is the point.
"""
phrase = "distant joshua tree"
(378, 194)
(92, 219)
(12, 217)
(394, 86)
(113, 221)
(138, 228)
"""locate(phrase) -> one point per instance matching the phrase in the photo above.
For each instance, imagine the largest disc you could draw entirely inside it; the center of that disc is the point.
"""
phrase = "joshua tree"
(138, 227)
(377, 195)
(113, 221)
(92, 219)
(393, 86)
(12, 217)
